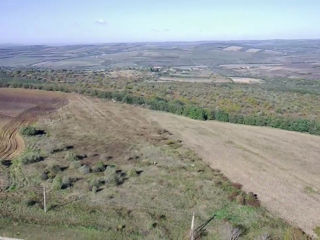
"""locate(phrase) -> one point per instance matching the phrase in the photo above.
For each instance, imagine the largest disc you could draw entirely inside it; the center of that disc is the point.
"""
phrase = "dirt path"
(282, 167)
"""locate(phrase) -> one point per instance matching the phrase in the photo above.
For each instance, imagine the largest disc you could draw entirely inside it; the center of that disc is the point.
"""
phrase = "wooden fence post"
(44, 200)
(192, 228)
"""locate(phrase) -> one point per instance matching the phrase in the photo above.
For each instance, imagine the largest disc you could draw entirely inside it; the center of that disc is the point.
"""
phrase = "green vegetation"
(30, 156)
(258, 105)
(317, 231)
(147, 190)
(131, 186)
(30, 131)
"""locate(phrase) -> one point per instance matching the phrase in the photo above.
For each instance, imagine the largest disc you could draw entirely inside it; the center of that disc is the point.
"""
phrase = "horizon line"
(165, 41)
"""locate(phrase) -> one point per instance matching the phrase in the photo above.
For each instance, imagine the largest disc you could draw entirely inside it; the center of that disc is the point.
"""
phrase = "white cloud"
(101, 21)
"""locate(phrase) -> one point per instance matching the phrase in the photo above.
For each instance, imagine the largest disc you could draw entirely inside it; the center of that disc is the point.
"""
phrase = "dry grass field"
(282, 167)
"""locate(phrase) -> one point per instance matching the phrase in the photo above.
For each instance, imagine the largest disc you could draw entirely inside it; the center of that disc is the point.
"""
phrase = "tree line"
(178, 107)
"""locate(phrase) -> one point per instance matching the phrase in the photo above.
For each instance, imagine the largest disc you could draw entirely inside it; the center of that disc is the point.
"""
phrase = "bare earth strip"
(282, 167)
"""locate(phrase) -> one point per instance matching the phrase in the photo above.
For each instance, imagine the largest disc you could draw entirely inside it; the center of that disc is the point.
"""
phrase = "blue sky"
(100, 21)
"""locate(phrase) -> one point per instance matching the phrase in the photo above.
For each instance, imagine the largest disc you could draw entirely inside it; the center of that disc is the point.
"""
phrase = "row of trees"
(180, 108)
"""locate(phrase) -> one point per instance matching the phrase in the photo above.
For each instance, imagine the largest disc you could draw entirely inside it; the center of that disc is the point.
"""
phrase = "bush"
(44, 176)
(134, 172)
(99, 167)
(30, 131)
(57, 183)
(114, 177)
(95, 184)
(66, 182)
(30, 157)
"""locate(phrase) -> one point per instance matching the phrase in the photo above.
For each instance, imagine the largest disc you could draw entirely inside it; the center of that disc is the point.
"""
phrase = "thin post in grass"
(192, 228)
(44, 200)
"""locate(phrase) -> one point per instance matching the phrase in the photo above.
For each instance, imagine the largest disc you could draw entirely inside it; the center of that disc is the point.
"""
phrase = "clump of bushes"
(31, 156)
(95, 184)
(57, 183)
(62, 182)
(134, 172)
(44, 176)
(31, 131)
(114, 176)
(52, 171)
(66, 182)
(99, 167)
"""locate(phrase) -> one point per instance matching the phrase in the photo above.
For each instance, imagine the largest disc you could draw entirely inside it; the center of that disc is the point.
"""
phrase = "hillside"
(281, 167)
(114, 171)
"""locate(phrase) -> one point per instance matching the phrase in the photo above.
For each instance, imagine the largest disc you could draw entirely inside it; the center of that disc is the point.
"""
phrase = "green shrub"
(99, 167)
(95, 184)
(317, 231)
(114, 176)
(57, 183)
(30, 156)
(66, 182)
(30, 131)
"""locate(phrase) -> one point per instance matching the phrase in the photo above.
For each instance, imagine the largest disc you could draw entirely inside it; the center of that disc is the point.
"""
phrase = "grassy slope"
(157, 204)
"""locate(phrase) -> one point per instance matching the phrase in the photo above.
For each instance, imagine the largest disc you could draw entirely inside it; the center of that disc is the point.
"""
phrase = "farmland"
(130, 139)
(86, 142)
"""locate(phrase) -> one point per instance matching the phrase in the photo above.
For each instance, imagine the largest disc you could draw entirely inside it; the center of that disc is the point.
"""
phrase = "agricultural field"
(113, 171)
(281, 167)
(128, 140)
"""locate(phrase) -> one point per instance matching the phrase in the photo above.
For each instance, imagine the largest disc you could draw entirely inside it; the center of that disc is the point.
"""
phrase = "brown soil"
(21, 107)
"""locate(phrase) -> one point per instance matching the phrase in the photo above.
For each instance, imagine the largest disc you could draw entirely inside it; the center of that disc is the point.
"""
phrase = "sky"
(105, 21)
